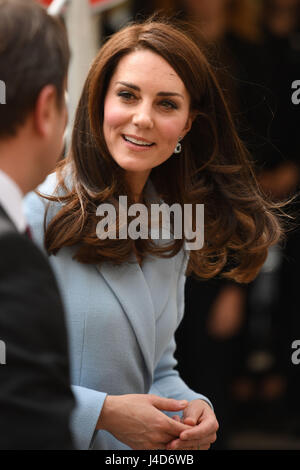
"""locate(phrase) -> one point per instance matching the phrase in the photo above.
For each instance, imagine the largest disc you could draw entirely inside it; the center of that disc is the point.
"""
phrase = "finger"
(172, 445)
(163, 437)
(210, 439)
(199, 436)
(190, 421)
(201, 431)
(178, 444)
(193, 412)
(175, 428)
(168, 404)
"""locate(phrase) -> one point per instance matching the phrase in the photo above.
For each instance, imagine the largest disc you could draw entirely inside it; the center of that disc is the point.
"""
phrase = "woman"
(231, 29)
(152, 125)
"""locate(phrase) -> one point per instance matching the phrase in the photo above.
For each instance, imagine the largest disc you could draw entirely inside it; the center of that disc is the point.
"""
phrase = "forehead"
(145, 68)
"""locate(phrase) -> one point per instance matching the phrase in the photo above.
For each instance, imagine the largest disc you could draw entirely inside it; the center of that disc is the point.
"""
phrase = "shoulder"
(23, 265)
(33, 203)
(10, 237)
(37, 207)
(28, 291)
(15, 246)
(22, 262)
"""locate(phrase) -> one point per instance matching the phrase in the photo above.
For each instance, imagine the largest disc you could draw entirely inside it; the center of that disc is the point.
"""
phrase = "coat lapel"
(158, 273)
(128, 284)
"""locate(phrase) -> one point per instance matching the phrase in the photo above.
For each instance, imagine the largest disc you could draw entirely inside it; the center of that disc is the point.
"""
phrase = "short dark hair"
(34, 52)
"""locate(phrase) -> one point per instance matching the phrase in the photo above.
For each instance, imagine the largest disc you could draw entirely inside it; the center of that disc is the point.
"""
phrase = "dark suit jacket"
(35, 396)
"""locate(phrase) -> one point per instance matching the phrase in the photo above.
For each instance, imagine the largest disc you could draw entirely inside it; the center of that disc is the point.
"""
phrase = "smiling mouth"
(139, 143)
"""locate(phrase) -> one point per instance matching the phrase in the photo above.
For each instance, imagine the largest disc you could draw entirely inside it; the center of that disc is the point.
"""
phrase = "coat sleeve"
(85, 416)
(167, 381)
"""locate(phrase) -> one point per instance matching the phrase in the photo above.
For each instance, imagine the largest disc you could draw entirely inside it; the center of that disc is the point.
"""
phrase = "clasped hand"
(204, 426)
(138, 421)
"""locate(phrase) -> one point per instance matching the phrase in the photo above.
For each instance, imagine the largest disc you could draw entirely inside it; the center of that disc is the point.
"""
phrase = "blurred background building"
(235, 342)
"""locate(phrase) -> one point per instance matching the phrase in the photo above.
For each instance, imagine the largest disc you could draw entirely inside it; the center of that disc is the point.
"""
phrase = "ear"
(44, 112)
(189, 122)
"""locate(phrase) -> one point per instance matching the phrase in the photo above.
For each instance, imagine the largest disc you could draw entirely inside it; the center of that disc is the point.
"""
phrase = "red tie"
(28, 232)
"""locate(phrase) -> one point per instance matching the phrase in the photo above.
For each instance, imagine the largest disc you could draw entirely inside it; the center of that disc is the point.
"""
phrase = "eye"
(168, 105)
(126, 95)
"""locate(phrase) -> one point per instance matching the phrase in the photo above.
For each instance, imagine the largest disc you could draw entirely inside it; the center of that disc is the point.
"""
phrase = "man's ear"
(44, 112)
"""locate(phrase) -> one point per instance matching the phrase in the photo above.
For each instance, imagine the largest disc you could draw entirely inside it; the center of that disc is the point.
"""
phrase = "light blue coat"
(121, 323)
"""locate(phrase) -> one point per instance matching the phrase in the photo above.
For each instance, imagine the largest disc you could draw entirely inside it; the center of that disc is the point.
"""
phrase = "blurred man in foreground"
(35, 397)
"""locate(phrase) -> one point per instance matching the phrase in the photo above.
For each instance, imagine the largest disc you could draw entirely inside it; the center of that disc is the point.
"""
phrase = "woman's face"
(146, 111)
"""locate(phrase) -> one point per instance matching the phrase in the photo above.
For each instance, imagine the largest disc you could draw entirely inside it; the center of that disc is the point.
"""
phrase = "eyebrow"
(161, 93)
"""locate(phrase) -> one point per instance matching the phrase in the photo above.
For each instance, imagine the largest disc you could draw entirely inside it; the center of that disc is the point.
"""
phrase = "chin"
(134, 166)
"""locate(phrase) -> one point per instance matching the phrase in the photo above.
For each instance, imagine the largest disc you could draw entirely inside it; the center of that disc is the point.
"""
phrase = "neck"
(14, 178)
(13, 168)
(137, 181)
(17, 160)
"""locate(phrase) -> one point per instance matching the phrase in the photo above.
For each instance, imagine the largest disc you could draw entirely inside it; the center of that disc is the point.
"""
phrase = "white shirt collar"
(11, 199)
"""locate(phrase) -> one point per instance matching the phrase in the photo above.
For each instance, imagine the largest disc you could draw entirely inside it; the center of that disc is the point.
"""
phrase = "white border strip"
(106, 5)
(56, 6)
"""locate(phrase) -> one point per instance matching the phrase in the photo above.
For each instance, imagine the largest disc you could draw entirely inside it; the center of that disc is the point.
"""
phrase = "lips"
(138, 141)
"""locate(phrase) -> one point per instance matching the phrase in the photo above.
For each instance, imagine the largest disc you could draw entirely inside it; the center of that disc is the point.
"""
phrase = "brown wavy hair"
(213, 169)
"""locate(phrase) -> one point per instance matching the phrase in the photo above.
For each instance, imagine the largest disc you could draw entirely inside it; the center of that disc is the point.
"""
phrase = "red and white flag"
(97, 6)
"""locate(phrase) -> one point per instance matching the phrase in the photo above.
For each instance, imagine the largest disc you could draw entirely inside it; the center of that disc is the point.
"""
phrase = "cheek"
(114, 115)
(171, 130)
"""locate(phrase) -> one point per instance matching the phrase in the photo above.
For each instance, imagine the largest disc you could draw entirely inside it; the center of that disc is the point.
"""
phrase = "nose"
(143, 117)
